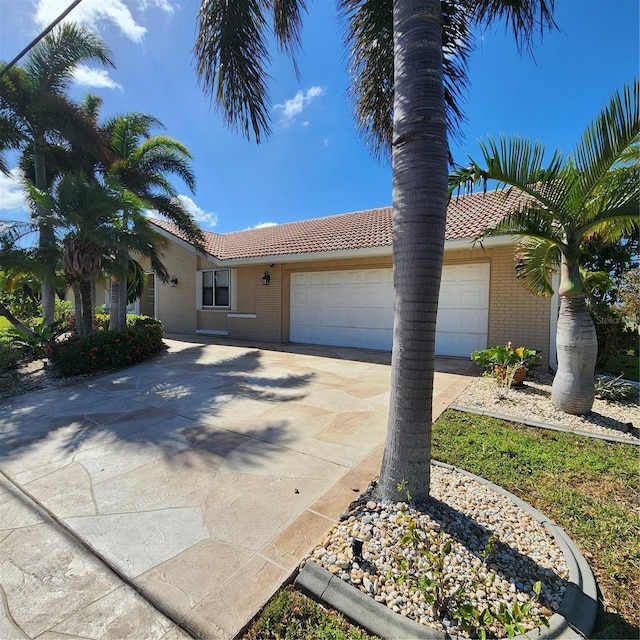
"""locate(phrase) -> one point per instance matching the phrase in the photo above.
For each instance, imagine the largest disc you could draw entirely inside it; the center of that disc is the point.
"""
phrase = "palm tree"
(35, 113)
(585, 196)
(408, 60)
(141, 164)
(88, 212)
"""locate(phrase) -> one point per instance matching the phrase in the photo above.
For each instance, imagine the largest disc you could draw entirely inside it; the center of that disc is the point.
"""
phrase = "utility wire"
(39, 37)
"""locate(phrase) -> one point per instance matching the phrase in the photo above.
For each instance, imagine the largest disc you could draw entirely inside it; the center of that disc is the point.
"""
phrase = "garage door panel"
(452, 321)
(355, 308)
(457, 344)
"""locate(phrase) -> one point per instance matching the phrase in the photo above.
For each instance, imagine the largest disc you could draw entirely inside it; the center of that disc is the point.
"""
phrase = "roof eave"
(344, 254)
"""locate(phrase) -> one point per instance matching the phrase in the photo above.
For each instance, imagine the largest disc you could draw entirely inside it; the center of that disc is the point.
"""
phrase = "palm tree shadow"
(167, 404)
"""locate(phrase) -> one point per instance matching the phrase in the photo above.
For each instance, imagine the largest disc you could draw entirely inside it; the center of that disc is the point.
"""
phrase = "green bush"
(8, 356)
(615, 336)
(104, 350)
(63, 311)
(32, 345)
(615, 390)
(625, 364)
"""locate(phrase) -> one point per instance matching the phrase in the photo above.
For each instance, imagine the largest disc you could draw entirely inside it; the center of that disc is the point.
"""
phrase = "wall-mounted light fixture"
(266, 278)
(173, 281)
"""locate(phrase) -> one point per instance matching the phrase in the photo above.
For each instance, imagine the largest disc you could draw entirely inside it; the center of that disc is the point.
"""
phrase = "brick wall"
(514, 314)
(176, 306)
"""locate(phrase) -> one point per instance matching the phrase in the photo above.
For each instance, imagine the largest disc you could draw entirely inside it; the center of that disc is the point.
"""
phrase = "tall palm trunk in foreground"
(232, 55)
(419, 157)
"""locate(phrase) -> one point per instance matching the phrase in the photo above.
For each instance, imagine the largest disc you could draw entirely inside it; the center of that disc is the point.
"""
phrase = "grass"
(4, 323)
(289, 615)
(588, 486)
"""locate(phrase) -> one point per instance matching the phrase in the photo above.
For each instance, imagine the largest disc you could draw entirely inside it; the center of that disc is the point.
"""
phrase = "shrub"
(101, 322)
(104, 350)
(8, 356)
(63, 312)
(614, 334)
(31, 346)
(615, 390)
(506, 356)
(625, 365)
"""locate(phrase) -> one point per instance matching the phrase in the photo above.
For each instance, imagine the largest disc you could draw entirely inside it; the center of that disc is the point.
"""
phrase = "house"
(329, 281)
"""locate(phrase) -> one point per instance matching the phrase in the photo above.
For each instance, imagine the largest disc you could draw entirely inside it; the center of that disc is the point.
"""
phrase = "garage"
(354, 308)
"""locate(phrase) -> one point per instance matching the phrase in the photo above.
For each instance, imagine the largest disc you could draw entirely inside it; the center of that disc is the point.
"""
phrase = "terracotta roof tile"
(467, 217)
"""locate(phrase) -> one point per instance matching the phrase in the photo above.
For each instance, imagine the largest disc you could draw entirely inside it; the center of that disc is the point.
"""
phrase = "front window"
(215, 288)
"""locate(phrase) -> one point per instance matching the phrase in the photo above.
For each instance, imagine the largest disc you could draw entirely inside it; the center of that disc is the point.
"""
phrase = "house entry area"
(354, 308)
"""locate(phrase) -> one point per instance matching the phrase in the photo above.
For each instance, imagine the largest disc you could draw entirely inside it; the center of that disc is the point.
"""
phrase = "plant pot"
(518, 376)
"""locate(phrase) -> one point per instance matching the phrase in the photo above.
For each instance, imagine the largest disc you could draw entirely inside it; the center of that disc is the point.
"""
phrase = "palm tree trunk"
(87, 306)
(118, 293)
(577, 347)
(46, 239)
(5, 313)
(419, 156)
(77, 306)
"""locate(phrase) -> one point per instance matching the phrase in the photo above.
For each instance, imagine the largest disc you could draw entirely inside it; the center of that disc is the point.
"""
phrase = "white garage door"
(355, 308)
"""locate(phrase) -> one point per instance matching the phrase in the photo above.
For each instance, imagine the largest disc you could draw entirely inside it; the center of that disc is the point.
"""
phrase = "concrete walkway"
(175, 497)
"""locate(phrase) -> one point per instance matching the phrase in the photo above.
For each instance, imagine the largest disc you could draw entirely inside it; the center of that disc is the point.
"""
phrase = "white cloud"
(97, 78)
(294, 106)
(202, 217)
(12, 196)
(164, 5)
(92, 13)
(262, 225)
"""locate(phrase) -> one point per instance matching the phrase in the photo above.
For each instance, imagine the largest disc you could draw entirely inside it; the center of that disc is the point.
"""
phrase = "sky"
(315, 163)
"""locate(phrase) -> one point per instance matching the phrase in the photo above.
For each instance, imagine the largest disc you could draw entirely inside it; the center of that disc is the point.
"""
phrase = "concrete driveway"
(178, 495)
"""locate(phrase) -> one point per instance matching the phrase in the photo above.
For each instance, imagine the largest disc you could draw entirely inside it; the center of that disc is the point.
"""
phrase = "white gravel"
(533, 402)
(466, 514)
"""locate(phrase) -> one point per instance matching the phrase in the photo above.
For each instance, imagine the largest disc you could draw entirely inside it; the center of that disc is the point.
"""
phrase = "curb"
(575, 618)
(542, 425)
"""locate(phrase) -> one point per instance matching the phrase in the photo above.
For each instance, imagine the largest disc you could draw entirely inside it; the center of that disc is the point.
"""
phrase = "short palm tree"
(408, 61)
(141, 163)
(587, 195)
(86, 213)
(35, 113)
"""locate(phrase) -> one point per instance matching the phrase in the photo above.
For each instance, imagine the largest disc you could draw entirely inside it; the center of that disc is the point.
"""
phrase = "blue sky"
(314, 163)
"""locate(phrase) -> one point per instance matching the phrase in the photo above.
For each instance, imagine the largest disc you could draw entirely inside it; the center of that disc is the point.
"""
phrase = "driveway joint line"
(46, 513)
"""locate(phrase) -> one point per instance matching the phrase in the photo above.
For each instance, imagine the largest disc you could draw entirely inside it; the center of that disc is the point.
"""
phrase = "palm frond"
(287, 24)
(515, 161)
(608, 138)
(51, 62)
(524, 18)
(531, 221)
(140, 124)
(174, 210)
(12, 232)
(231, 59)
(368, 36)
(540, 261)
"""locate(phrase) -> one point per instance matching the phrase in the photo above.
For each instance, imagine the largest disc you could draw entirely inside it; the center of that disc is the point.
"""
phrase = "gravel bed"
(468, 515)
(533, 402)
(32, 376)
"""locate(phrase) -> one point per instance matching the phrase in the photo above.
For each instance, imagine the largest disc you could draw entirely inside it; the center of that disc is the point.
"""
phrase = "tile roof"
(467, 217)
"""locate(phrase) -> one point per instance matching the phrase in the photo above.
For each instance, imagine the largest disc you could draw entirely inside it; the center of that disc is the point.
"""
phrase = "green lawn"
(289, 615)
(588, 486)
(4, 323)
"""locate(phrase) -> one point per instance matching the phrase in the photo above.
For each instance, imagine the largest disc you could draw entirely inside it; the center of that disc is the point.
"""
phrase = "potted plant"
(508, 365)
